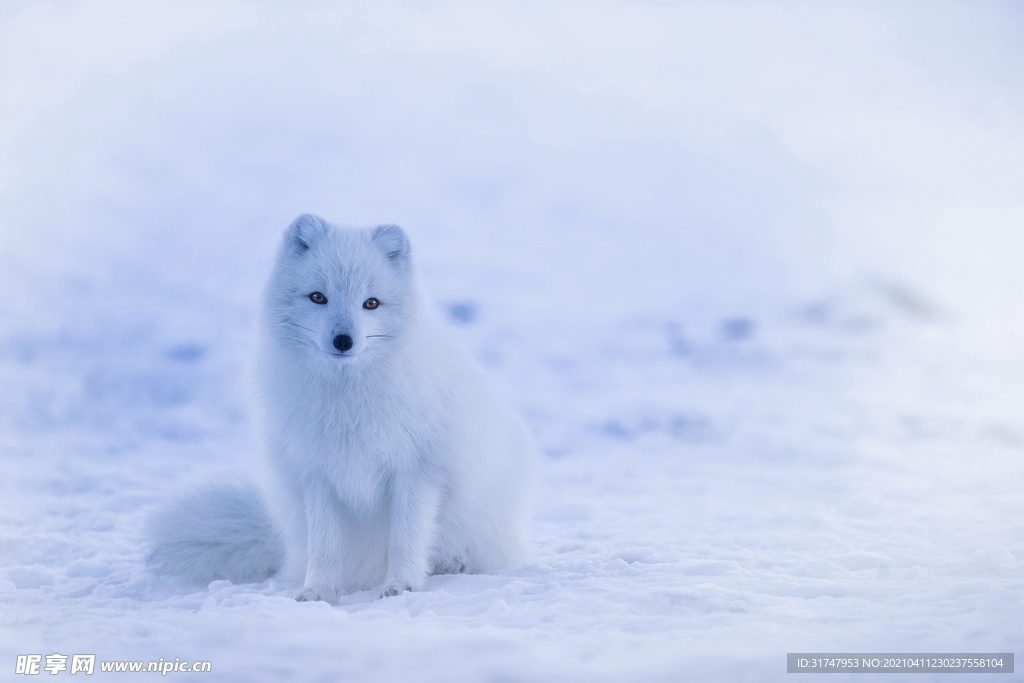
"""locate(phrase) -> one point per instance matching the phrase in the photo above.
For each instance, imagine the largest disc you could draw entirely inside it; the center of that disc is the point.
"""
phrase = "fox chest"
(363, 445)
(363, 464)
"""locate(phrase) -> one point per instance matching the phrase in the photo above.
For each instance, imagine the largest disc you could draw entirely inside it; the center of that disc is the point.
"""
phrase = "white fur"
(220, 532)
(391, 460)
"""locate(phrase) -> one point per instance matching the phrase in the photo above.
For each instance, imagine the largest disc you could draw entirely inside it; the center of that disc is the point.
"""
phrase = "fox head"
(341, 292)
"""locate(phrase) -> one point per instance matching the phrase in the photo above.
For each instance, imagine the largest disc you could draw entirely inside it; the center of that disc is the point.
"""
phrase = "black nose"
(343, 342)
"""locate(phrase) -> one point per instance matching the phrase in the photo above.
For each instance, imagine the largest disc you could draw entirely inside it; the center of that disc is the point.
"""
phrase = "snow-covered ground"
(751, 272)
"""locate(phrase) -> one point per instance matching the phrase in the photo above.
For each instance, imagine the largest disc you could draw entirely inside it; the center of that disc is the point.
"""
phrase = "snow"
(749, 271)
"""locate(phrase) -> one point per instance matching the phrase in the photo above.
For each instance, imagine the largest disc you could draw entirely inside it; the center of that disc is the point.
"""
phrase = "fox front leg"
(324, 553)
(414, 507)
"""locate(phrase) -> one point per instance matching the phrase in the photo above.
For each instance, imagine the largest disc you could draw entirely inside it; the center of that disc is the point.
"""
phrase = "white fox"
(390, 458)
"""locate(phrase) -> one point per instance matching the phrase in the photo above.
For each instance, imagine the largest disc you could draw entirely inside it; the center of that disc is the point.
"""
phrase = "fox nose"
(343, 342)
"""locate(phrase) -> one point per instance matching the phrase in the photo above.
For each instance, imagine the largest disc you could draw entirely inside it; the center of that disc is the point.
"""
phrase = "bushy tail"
(219, 532)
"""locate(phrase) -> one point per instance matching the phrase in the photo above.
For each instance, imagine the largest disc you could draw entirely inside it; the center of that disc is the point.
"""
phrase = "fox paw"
(452, 566)
(308, 594)
(393, 588)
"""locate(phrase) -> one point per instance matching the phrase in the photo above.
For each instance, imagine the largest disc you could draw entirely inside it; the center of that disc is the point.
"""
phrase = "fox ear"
(305, 231)
(392, 241)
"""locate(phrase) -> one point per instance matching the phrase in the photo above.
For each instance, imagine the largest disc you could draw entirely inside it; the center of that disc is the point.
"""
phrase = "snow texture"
(750, 271)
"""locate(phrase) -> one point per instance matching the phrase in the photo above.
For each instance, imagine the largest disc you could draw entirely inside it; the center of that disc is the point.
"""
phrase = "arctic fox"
(390, 458)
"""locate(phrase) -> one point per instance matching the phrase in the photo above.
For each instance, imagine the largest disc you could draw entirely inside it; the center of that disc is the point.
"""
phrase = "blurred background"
(580, 157)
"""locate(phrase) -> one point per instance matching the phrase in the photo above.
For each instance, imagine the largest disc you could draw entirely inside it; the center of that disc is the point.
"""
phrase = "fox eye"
(318, 298)
(371, 304)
